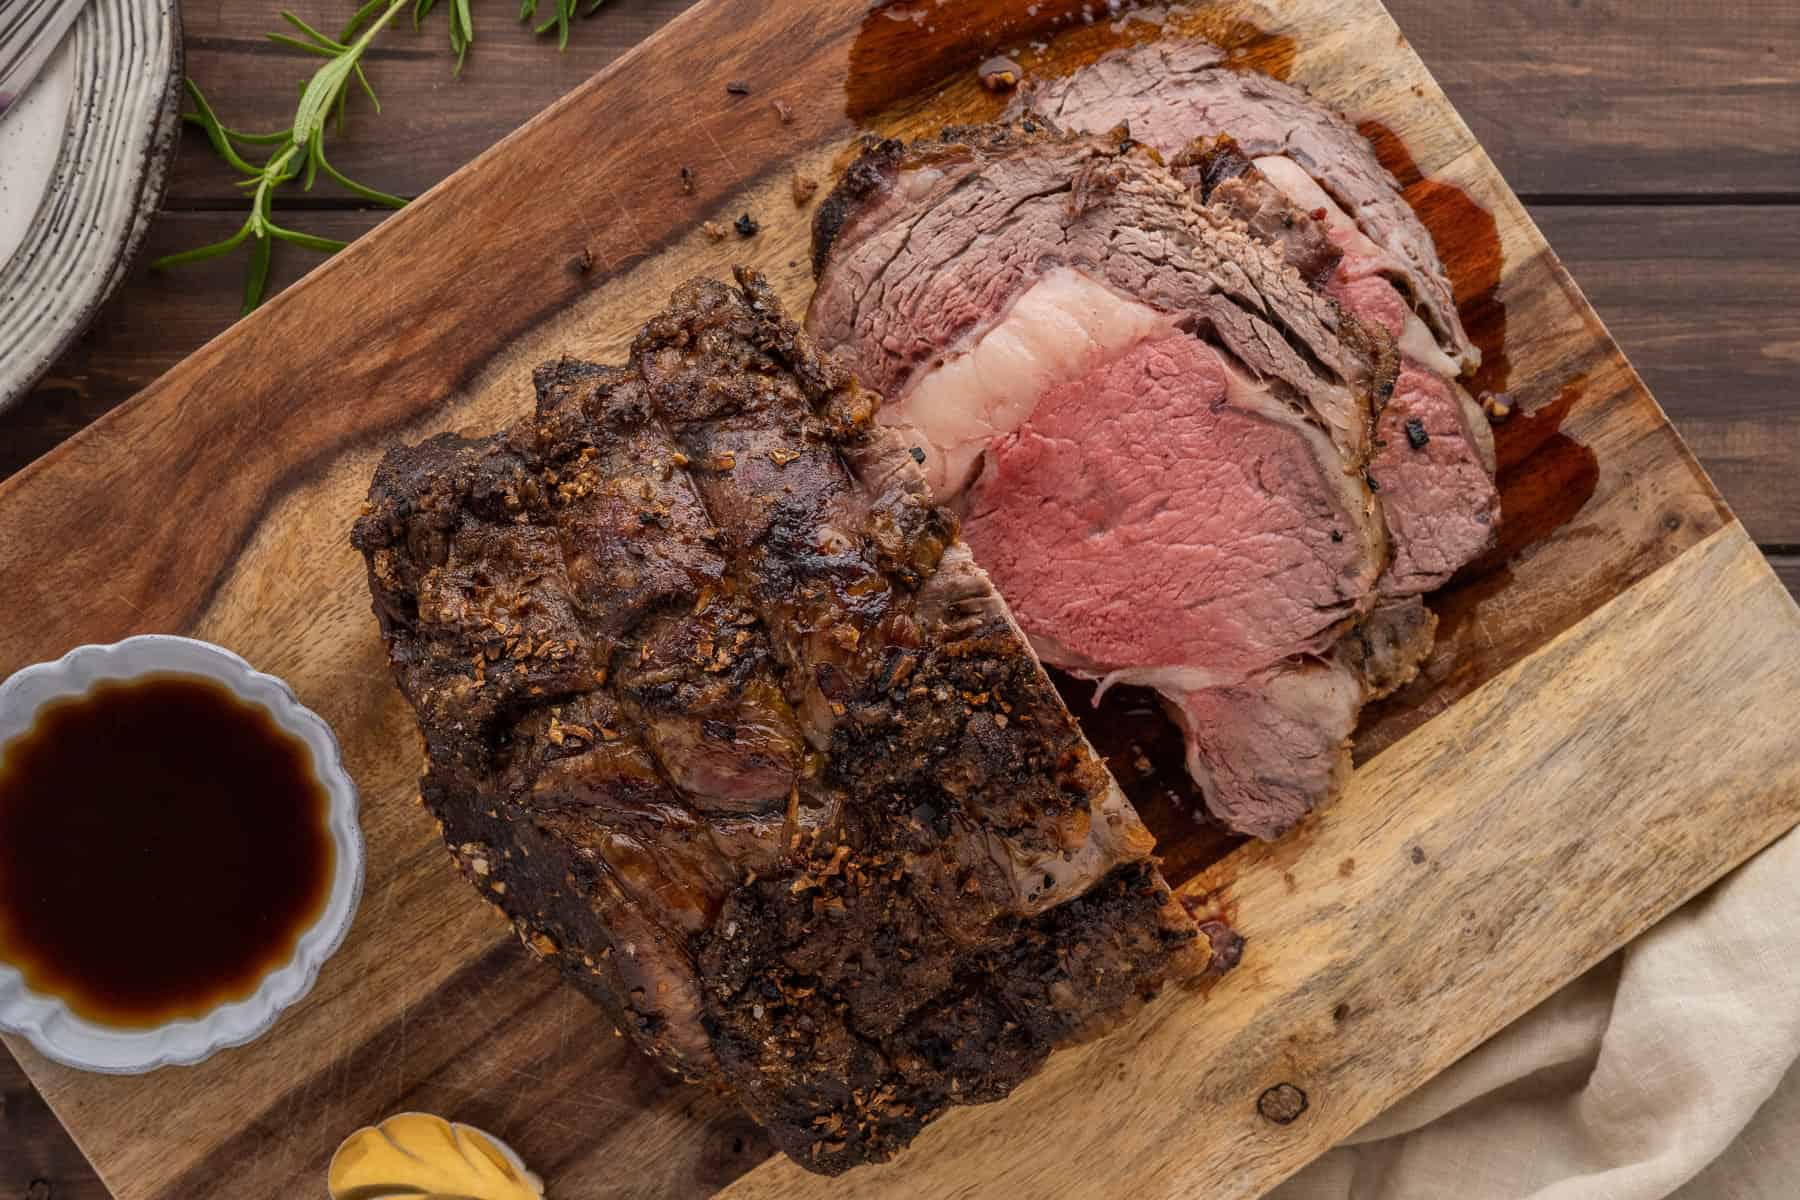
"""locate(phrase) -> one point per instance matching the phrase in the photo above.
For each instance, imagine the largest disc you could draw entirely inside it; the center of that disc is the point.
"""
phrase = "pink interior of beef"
(1267, 749)
(1144, 516)
(1438, 500)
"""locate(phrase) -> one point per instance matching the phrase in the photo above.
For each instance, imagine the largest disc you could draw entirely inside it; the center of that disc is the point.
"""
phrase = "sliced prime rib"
(726, 719)
(1433, 458)
(1156, 430)
(1169, 93)
(1301, 177)
(1267, 751)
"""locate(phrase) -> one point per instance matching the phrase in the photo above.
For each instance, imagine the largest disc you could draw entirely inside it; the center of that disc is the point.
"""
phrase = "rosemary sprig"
(462, 26)
(300, 149)
(565, 13)
(462, 21)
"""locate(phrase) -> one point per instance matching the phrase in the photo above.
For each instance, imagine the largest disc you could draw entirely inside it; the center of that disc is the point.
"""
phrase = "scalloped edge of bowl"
(56, 1031)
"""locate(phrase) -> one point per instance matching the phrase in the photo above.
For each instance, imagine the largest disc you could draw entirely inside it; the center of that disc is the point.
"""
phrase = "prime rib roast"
(720, 711)
(1191, 383)
(719, 702)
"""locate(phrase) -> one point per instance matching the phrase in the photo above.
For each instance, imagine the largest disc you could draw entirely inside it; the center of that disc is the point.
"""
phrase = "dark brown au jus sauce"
(163, 846)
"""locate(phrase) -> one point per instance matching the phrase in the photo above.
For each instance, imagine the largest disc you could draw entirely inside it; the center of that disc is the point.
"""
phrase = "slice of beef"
(1301, 178)
(722, 714)
(929, 245)
(1264, 750)
(1169, 93)
(1156, 429)
(1434, 453)
(1216, 170)
(1438, 496)
(1162, 510)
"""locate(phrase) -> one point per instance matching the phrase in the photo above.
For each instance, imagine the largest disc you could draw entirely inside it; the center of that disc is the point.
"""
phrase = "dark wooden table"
(1656, 143)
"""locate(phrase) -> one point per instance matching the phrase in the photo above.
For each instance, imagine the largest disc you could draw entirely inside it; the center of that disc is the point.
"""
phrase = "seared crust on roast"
(724, 717)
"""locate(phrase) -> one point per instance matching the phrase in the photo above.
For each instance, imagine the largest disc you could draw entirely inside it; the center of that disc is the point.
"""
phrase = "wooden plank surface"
(443, 121)
(1726, 378)
(450, 122)
(1443, 837)
(1598, 99)
(38, 1160)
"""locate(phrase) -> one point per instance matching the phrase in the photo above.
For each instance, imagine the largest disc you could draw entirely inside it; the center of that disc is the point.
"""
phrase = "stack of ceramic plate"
(83, 155)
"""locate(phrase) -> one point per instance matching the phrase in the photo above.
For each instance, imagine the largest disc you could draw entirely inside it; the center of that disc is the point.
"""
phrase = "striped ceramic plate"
(82, 161)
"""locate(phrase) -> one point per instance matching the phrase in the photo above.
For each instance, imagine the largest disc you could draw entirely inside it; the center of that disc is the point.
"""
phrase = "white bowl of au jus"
(179, 853)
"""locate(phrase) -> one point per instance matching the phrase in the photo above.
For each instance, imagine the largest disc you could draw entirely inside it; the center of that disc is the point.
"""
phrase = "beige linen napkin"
(1668, 1071)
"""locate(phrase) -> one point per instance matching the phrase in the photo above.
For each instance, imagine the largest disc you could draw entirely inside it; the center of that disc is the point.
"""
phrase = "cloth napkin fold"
(1667, 1071)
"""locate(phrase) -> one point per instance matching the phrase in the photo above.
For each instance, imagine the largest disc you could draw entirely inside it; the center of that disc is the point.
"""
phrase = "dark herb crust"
(722, 715)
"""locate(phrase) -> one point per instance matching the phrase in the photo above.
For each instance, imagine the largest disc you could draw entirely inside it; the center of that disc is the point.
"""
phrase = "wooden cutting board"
(1603, 731)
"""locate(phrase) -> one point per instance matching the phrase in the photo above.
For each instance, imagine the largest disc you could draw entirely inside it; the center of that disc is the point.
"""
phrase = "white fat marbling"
(1063, 326)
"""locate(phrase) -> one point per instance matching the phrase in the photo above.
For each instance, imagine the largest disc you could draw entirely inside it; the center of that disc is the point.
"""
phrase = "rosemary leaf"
(297, 44)
(368, 90)
(369, 9)
(312, 159)
(320, 95)
(257, 279)
(462, 31)
(560, 23)
(323, 42)
(200, 253)
(215, 132)
(310, 241)
(350, 185)
(251, 139)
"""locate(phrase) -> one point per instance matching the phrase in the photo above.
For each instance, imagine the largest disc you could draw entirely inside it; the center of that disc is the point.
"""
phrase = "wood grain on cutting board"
(217, 504)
